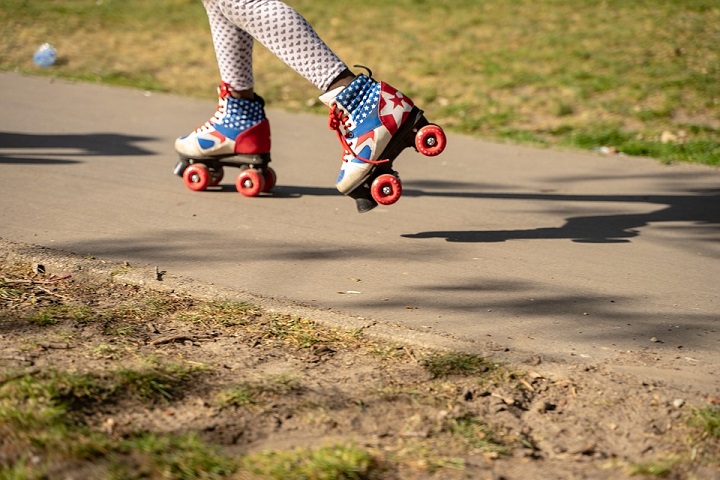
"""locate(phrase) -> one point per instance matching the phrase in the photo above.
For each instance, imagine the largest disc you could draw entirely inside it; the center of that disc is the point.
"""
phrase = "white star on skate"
(394, 109)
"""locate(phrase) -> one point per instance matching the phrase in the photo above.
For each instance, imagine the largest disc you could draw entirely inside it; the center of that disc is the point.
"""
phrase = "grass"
(120, 407)
(255, 392)
(456, 363)
(155, 382)
(707, 420)
(53, 413)
(173, 457)
(703, 434)
(43, 413)
(657, 469)
(476, 433)
(52, 314)
(337, 462)
(226, 314)
(639, 77)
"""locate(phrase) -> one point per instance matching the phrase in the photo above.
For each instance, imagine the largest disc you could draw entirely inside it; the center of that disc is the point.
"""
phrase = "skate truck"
(383, 185)
(255, 175)
(238, 135)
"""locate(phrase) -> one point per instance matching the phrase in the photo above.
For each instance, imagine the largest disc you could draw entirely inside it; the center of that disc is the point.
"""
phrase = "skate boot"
(374, 123)
(238, 135)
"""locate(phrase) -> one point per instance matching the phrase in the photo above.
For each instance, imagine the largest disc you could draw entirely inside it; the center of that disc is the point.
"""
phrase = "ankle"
(343, 80)
(247, 94)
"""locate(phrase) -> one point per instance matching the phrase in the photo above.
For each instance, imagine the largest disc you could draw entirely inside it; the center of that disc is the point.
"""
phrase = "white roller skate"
(237, 135)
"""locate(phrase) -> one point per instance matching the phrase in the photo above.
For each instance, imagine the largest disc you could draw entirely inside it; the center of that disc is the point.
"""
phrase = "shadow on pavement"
(472, 299)
(700, 208)
(280, 191)
(43, 148)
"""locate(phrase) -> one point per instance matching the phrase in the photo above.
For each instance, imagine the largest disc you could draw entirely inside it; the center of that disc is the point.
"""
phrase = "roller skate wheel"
(270, 178)
(196, 177)
(250, 182)
(216, 176)
(430, 140)
(386, 189)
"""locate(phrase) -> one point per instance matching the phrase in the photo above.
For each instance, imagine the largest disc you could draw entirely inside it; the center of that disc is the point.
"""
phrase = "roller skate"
(375, 123)
(238, 135)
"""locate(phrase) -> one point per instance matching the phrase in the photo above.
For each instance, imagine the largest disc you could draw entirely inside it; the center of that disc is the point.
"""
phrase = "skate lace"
(217, 117)
(338, 121)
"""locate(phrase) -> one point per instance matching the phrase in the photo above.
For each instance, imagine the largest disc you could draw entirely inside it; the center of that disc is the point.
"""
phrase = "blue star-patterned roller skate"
(374, 123)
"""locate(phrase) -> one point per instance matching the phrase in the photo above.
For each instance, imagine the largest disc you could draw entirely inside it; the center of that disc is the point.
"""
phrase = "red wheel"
(196, 177)
(430, 140)
(386, 189)
(270, 178)
(250, 183)
(216, 177)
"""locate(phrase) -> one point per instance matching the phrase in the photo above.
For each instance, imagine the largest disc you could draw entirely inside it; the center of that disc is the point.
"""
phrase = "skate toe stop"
(365, 204)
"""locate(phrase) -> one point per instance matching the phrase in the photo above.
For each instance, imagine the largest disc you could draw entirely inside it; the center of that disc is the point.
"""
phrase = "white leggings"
(235, 23)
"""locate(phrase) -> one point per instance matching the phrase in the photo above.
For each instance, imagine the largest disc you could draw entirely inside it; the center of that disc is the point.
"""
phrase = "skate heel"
(180, 167)
(383, 185)
(364, 201)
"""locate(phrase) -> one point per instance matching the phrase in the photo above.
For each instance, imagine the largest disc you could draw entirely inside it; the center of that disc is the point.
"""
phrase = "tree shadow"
(700, 207)
(36, 149)
(468, 301)
(283, 191)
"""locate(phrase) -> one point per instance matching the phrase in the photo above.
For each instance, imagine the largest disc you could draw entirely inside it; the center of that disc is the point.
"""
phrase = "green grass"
(53, 314)
(476, 433)
(174, 457)
(43, 412)
(707, 420)
(338, 462)
(701, 444)
(657, 469)
(253, 392)
(299, 331)
(154, 382)
(590, 74)
(456, 363)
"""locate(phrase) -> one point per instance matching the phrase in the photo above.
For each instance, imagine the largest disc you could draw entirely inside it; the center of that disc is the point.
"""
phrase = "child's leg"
(287, 35)
(233, 49)
(234, 25)
(373, 120)
(239, 126)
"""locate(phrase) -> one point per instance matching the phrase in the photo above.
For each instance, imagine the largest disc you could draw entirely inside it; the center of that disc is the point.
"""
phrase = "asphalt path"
(548, 253)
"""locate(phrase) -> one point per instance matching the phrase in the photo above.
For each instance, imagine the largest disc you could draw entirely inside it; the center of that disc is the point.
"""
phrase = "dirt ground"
(416, 412)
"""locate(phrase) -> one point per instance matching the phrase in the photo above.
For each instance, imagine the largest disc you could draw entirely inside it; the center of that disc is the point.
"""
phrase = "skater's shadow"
(699, 208)
(285, 191)
(36, 149)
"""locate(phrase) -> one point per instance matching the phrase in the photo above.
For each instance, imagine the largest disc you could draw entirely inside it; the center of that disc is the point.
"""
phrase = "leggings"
(235, 23)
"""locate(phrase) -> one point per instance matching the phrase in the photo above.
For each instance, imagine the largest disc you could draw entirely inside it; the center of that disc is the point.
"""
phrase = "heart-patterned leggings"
(282, 30)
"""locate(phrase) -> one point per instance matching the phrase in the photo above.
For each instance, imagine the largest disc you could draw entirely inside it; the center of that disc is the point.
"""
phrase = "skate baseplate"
(383, 186)
(255, 176)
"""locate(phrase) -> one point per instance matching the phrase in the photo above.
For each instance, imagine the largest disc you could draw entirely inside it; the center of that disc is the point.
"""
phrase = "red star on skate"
(397, 99)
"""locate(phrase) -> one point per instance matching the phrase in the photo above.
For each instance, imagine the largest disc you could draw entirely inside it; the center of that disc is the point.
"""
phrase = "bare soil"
(539, 419)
